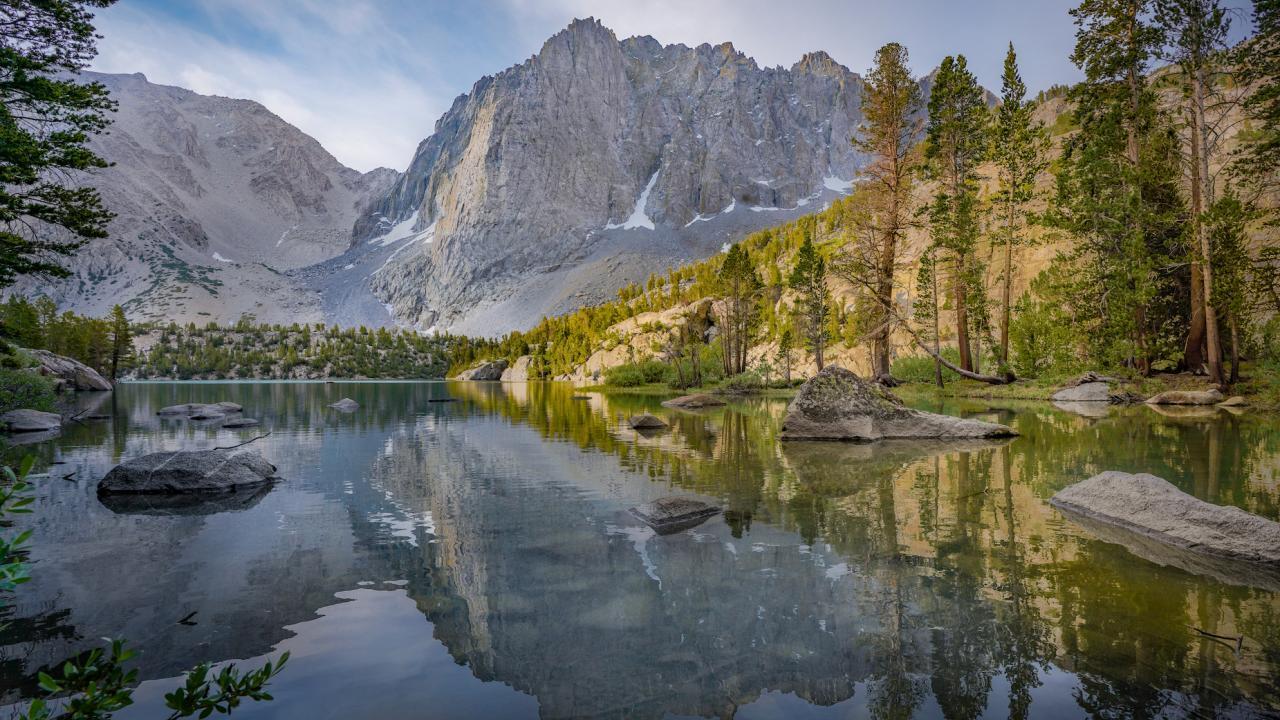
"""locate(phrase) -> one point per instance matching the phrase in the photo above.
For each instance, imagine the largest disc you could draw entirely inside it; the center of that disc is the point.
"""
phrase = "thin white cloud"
(329, 81)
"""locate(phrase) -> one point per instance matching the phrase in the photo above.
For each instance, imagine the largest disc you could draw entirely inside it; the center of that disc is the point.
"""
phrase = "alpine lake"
(477, 559)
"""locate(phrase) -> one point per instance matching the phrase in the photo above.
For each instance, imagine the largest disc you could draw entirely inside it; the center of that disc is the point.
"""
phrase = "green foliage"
(1258, 160)
(920, 368)
(636, 374)
(24, 388)
(1042, 340)
(93, 341)
(809, 280)
(15, 499)
(46, 118)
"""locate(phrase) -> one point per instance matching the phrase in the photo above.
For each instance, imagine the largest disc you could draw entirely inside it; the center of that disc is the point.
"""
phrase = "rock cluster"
(835, 404)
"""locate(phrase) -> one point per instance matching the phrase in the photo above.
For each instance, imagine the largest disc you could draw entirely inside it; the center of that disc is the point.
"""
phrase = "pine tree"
(1020, 147)
(1196, 31)
(956, 143)
(121, 341)
(739, 286)
(890, 136)
(809, 280)
(46, 116)
(1258, 59)
(1117, 190)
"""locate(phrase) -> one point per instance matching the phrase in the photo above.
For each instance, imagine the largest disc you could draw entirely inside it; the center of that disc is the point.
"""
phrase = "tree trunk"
(1213, 349)
(937, 326)
(1235, 350)
(989, 379)
(962, 314)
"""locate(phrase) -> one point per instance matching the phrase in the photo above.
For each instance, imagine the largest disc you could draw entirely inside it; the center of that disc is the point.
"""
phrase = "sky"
(369, 78)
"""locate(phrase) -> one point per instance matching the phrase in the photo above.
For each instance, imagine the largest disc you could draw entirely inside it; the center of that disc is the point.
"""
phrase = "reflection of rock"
(1226, 570)
(1099, 392)
(1090, 409)
(645, 421)
(189, 471)
(674, 513)
(823, 461)
(346, 405)
(694, 402)
(1149, 506)
(185, 503)
(74, 373)
(837, 405)
(28, 421)
(487, 371)
(1186, 397)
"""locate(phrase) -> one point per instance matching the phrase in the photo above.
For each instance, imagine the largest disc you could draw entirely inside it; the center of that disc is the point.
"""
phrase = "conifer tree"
(1020, 147)
(46, 117)
(890, 136)
(956, 143)
(739, 284)
(1196, 32)
(809, 280)
(121, 341)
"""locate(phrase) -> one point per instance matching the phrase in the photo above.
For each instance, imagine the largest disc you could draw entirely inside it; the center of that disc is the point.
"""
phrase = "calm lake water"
(476, 559)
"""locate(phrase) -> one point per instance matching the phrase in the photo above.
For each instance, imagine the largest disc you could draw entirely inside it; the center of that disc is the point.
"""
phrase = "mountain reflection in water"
(476, 558)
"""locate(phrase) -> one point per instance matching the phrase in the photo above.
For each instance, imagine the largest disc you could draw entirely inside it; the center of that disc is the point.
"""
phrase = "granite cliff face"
(214, 199)
(601, 156)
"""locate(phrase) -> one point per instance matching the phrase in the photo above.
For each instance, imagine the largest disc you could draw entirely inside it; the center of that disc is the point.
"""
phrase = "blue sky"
(369, 78)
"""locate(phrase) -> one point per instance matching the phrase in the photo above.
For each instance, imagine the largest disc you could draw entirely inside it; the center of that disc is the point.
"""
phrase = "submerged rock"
(673, 513)
(835, 404)
(28, 420)
(1187, 397)
(645, 421)
(74, 373)
(486, 371)
(346, 405)
(189, 471)
(1152, 507)
(200, 411)
(694, 402)
(240, 422)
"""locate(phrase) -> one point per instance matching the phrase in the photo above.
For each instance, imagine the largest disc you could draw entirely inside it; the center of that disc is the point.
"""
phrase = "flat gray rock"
(835, 404)
(645, 421)
(230, 407)
(346, 405)
(190, 471)
(27, 420)
(200, 411)
(673, 513)
(1187, 397)
(1084, 392)
(240, 422)
(1152, 507)
(1234, 401)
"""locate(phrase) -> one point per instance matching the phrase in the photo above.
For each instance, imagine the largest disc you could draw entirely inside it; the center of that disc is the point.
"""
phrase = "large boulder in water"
(74, 373)
(487, 371)
(673, 513)
(1154, 508)
(27, 421)
(835, 404)
(645, 421)
(346, 405)
(190, 471)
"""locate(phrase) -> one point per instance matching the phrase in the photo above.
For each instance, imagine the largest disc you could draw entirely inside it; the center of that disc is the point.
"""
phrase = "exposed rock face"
(645, 421)
(74, 373)
(213, 198)
(674, 513)
(519, 370)
(27, 420)
(694, 402)
(1187, 397)
(346, 405)
(835, 404)
(188, 471)
(488, 371)
(598, 137)
(1150, 506)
